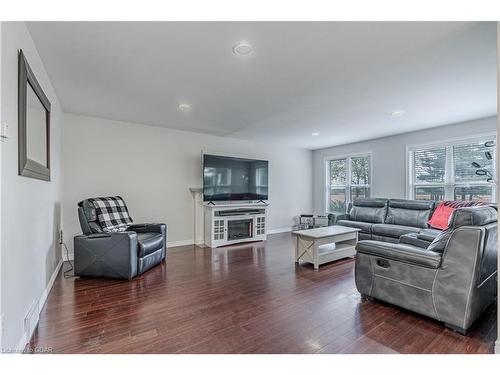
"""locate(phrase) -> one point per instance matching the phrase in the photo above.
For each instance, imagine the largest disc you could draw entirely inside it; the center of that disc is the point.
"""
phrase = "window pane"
(337, 199)
(360, 170)
(338, 172)
(466, 154)
(434, 193)
(473, 193)
(429, 165)
(360, 192)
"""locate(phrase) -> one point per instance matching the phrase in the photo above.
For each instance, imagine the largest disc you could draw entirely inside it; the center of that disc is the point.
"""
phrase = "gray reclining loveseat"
(388, 219)
(452, 279)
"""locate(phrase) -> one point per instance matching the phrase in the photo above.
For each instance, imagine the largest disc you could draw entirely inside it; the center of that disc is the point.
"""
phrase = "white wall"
(153, 169)
(389, 158)
(31, 209)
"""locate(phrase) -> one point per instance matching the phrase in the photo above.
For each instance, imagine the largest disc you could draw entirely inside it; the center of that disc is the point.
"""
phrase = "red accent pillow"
(441, 216)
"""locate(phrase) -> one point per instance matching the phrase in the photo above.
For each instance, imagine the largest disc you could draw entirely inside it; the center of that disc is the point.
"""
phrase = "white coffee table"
(326, 244)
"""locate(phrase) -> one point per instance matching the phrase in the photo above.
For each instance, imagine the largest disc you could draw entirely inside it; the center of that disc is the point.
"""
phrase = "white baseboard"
(41, 303)
(45, 294)
(497, 347)
(69, 256)
(279, 230)
(180, 243)
(192, 242)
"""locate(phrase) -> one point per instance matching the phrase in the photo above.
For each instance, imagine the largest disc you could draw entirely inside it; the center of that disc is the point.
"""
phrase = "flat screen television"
(234, 179)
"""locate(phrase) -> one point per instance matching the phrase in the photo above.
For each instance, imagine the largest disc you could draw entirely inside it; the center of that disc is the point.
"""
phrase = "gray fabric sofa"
(446, 275)
(387, 219)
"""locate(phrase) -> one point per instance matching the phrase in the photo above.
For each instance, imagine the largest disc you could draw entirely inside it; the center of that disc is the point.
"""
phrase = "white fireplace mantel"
(198, 212)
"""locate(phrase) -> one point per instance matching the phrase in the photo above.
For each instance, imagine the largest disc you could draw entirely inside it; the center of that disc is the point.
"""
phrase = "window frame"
(326, 177)
(449, 183)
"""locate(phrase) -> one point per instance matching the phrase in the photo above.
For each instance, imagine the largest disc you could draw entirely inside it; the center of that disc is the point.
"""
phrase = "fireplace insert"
(239, 229)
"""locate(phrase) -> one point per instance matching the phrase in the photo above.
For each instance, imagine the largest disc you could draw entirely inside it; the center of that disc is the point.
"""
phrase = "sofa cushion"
(88, 217)
(409, 204)
(333, 218)
(439, 243)
(400, 252)
(88, 209)
(370, 202)
(392, 230)
(469, 216)
(377, 237)
(369, 210)
(365, 227)
(428, 234)
(364, 236)
(412, 239)
(149, 242)
(473, 216)
(409, 212)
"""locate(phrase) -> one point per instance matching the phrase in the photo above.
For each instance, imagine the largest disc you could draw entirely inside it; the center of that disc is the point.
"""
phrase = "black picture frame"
(29, 167)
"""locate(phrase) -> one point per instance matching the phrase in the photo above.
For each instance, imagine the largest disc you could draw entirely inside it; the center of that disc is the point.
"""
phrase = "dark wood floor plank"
(244, 299)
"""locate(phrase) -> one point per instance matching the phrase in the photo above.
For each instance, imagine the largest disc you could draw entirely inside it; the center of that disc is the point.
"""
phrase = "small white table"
(326, 244)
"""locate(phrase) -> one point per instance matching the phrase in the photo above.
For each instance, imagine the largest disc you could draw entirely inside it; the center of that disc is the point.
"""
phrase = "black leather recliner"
(120, 255)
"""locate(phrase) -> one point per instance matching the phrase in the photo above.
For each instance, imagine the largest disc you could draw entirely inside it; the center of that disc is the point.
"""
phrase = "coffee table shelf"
(326, 244)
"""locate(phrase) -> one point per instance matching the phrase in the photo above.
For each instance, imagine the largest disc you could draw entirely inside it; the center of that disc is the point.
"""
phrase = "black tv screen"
(232, 179)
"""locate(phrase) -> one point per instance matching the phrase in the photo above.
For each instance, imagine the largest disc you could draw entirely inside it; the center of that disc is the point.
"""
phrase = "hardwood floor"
(244, 299)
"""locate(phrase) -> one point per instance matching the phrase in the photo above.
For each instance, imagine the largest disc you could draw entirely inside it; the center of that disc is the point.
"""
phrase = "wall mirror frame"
(33, 125)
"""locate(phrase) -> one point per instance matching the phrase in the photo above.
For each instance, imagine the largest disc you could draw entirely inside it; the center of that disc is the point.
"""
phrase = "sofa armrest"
(428, 234)
(400, 252)
(112, 255)
(148, 227)
(455, 291)
(413, 239)
(335, 217)
(155, 228)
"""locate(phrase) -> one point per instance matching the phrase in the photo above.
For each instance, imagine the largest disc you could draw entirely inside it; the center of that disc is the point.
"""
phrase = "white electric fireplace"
(227, 224)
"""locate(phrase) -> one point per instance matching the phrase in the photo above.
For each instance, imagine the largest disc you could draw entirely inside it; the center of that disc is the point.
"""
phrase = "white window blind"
(430, 165)
(450, 171)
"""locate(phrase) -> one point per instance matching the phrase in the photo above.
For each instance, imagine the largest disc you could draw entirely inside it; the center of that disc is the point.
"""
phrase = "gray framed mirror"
(34, 125)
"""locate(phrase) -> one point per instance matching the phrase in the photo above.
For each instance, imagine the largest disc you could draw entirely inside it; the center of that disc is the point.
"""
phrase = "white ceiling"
(341, 79)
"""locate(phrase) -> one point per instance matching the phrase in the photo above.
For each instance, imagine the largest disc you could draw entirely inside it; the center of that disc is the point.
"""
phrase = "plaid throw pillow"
(112, 213)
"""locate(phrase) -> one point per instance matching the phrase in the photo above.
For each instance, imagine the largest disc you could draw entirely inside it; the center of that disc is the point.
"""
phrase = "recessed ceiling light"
(315, 134)
(398, 113)
(184, 107)
(242, 49)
